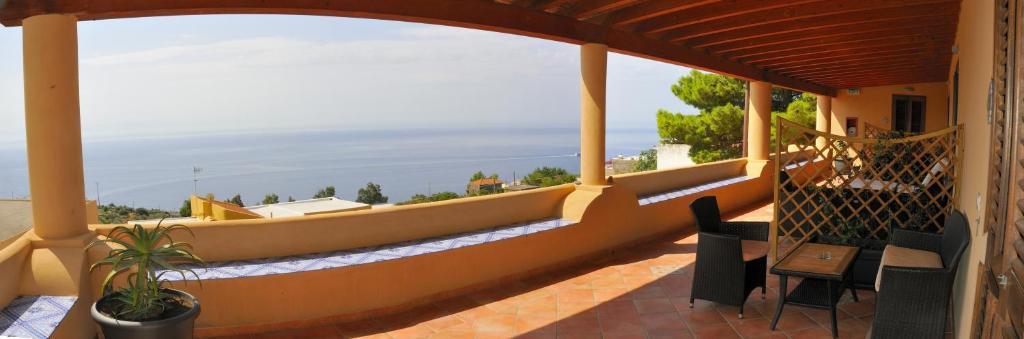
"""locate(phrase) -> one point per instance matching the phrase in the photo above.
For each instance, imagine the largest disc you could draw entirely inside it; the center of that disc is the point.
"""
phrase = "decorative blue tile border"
(34, 316)
(655, 198)
(795, 165)
(365, 255)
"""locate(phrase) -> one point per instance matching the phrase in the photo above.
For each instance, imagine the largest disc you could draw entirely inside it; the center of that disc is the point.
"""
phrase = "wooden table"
(824, 280)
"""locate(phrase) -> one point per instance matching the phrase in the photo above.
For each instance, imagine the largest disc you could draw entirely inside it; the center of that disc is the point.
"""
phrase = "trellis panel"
(876, 184)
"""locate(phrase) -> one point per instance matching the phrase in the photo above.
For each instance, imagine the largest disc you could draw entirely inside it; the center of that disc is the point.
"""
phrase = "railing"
(606, 218)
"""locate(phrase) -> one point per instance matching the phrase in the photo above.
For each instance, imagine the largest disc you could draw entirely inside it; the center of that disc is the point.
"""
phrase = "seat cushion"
(906, 257)
(753, 249)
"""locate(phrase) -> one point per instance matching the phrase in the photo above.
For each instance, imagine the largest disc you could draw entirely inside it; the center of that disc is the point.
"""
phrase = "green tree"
(271, 199)
(477, 176)
(647, 161)
(705, 91)
(290, 199)
(237, 200)
(421, 198)
(327, 192)
(716, 133)
(186, 208)
(549, 176)
(371, 194)
(712, 135)
(119, 214)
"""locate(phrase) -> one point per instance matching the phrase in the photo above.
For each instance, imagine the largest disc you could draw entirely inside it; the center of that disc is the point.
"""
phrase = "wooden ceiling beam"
(476, 14)
(873, 82)
(711, 12)
(895, 65)
(864, 46)
(651, 9)
(832, 56)
(900, 36)
(923, 70)
(765, 20)
(917, 55)
(901, 27)
(914, 60)
(585, 10)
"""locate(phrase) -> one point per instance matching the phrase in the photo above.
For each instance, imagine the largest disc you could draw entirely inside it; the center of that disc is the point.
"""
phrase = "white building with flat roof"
(307, 207)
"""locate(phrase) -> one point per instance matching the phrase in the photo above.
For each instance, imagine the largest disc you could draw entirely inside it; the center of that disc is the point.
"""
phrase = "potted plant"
(144, 308)
(839, 164)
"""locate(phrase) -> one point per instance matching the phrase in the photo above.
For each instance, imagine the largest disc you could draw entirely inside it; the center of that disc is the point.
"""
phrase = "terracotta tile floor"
(643, 293)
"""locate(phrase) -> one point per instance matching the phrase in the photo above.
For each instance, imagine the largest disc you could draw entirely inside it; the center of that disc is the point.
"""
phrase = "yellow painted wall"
(609, 218)
(874, 106)
(210, 209)
(974, 38)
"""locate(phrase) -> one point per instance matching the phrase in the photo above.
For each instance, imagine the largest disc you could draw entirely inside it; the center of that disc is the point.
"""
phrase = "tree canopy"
(716, 132)
(327, 192)
(186, 208)
(271, 198)
(421, 198)
(549, 176)
(371, 194)
(119, 214)
(237, 200)
(647, 161)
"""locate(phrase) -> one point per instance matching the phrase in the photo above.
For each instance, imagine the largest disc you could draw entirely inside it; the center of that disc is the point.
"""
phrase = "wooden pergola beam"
(894, 65)
(476, 14)
(896, 28)
(838, 43)
(712, 12)
(864, 46)
(652, 9)
(588, 9)
(917, 56)
(888, 80)
(766, 19)
(826, 57)
(911, 70)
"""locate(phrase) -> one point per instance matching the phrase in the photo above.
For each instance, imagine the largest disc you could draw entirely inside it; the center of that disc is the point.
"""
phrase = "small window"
(908, 113)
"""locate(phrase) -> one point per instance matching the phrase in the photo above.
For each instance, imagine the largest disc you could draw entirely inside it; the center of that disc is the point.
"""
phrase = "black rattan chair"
(721, 273)
(913, 302)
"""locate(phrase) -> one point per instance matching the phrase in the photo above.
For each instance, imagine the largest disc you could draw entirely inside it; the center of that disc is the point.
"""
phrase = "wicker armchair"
(913, 302)
(731, 256)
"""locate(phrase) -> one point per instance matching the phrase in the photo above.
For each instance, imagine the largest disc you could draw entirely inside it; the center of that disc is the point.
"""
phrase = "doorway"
(908, 113)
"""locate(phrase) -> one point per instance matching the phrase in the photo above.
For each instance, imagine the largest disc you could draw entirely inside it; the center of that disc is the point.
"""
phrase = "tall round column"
(823, 120)
(759, 120)
(593, 67)
(53, 127)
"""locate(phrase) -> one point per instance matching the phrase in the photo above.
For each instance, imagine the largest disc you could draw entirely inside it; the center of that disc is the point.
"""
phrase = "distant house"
(484, 186)
(307, 207)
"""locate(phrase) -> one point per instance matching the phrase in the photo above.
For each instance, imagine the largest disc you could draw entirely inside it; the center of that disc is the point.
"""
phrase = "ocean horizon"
(157, 172)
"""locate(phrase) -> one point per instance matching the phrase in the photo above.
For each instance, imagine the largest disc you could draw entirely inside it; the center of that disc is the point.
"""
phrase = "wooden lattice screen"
(874, 132)
(860, 188)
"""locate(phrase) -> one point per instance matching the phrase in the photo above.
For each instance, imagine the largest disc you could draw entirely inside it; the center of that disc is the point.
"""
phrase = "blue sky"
(212, 74)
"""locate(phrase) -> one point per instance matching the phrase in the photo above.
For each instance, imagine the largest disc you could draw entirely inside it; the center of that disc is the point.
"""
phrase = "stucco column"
(823, 120)
(759, 120)
(593, 67)
(53, 126)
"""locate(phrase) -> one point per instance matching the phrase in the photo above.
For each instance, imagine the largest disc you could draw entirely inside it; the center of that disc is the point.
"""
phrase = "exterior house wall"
(673, 156)
(874, 106)
(974, 39)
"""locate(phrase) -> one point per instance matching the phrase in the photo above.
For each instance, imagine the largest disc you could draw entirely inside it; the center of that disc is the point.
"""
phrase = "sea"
(160, 172)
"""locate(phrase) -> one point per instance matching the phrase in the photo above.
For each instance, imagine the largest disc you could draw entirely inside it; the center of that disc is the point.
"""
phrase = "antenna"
(195, 179)
(98, 193)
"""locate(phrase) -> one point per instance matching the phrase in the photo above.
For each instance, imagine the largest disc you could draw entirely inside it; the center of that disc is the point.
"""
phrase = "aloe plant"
(145, 255)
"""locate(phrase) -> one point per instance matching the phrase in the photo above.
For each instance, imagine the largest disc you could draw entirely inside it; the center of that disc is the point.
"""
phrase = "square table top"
(805, 260)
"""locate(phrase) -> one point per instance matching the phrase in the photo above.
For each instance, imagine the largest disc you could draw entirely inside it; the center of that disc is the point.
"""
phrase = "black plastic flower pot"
(178, 326)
